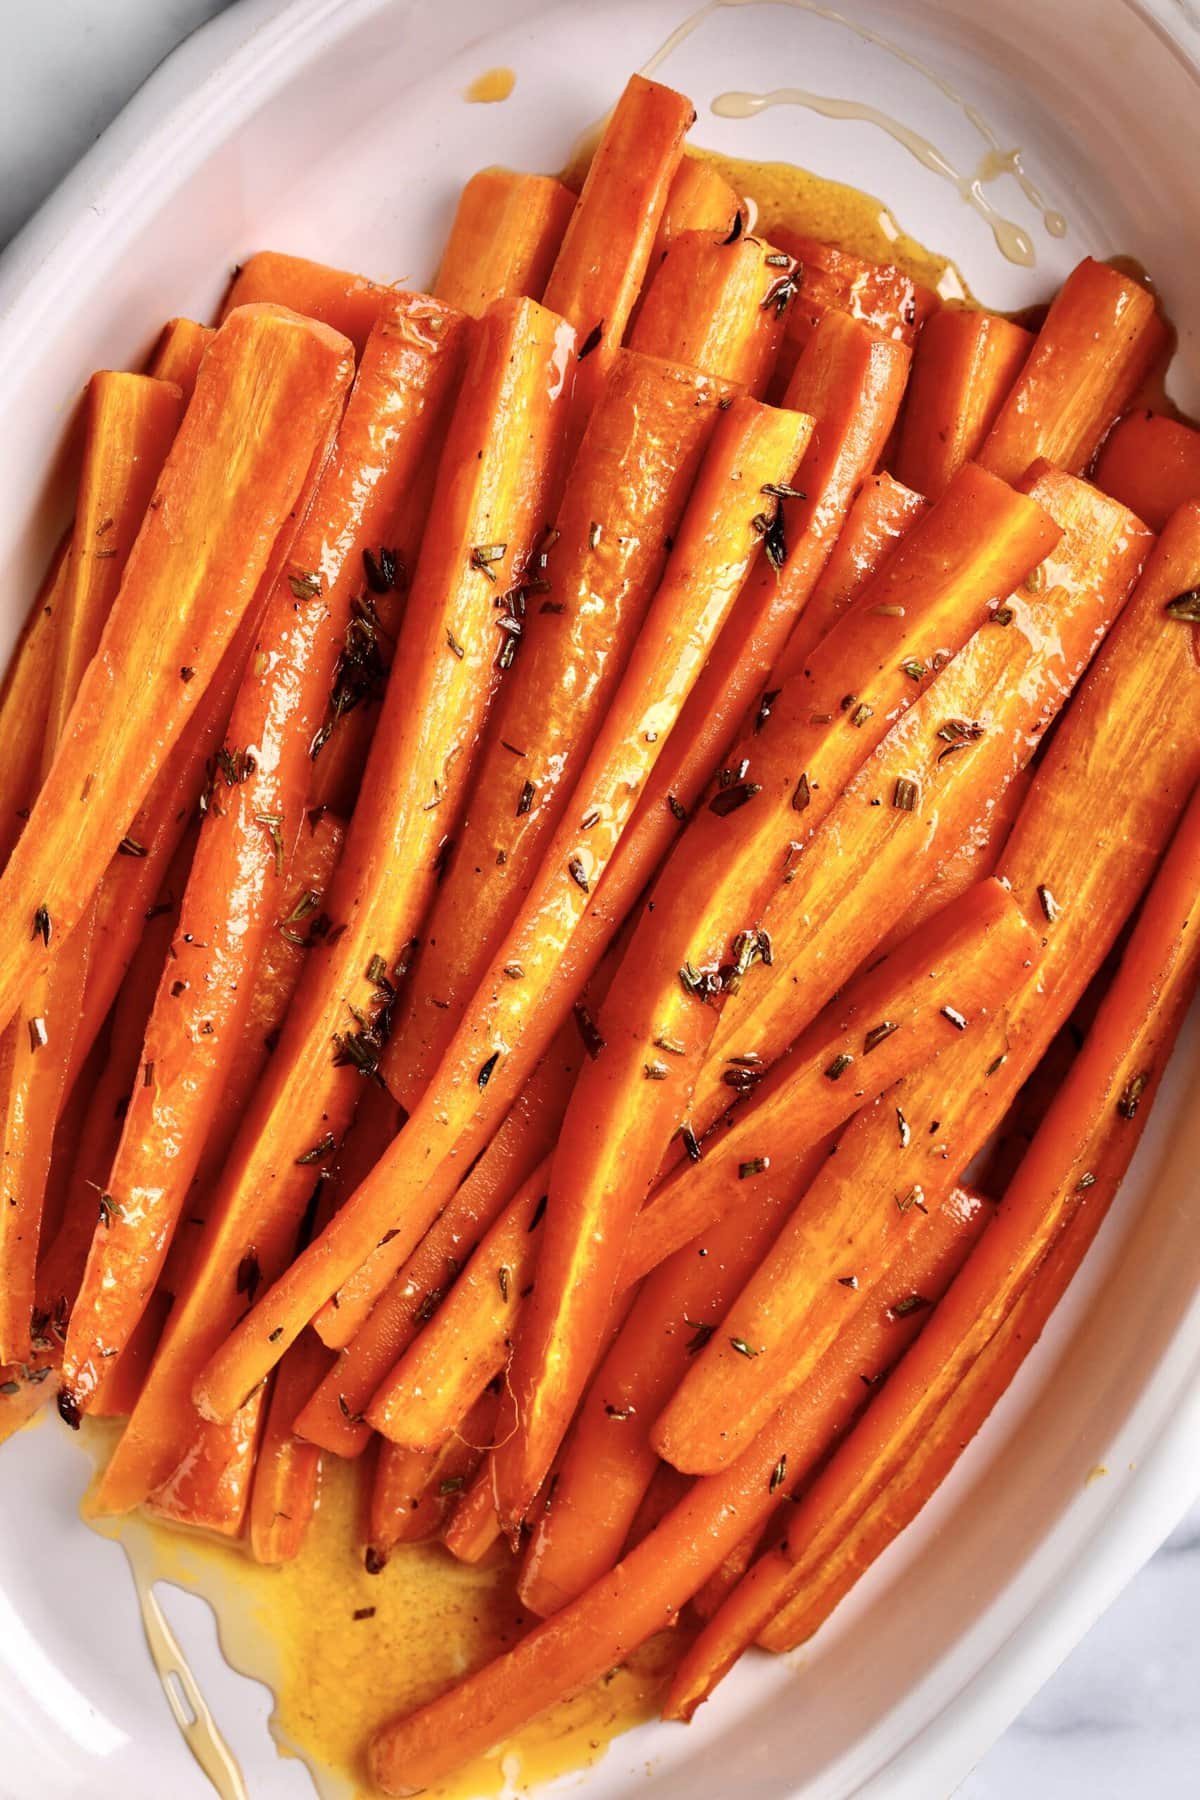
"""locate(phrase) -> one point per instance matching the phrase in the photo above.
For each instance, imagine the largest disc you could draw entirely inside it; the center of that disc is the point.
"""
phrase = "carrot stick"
(882, 514)
(835, 280)
(177, 355)
(223, 497)
(649, 1587)
(513, 393)
(253, 822)
(624, 499)
(606, 249)
(1101, 337)
(472, 1527)
(965, 364)
(414, 1490)
(1151, 464)
(349, 303)
(25, 696)
(667, 1488)
(1100, 811)
(852, 380)
(504, 239)
(210, 1487)
(121, 1380)
(694, 942)
(287, 1472)
(719, 305)
(995, 1310)
(871, 861)
(698, 199)
(709, 564)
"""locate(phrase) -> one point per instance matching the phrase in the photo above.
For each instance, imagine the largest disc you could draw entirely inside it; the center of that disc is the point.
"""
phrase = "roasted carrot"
(177, 355)
(489, 512)
(210, 1486)
(130, 421)
(122, 1378)
(698, 936)
(349, 303)
(996, 1308)
(25, 696)
(414, 1490)
(649, 1587)
(718, 304)
(883, 513)
(504, 239)
(254, 819)
(624, 499)
(836, 280)
(964, 366)
(972, 860)
(713, 554)
(1099, 814)
(287, 1471)
(1101, 337)
(698, 199)
(607, 246)
(852, 379)
(1151, 464)
(223, 497)
(472, 1528)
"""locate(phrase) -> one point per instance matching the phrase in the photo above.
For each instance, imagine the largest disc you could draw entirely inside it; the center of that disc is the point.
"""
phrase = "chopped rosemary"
(904, 795)
(877, 1034)
(1003, 615)
(383, 572)
(956, 1018)
(700, 1335)
(272, 823)
(838, 1066)
(619, 1412)
(578, 873)
(589, 1031)
(847, 1281)
(484, 555)
(743, 1348)
(1086, 1180)
(727, 800)
(861, 714)
(914, 668)
(914, 1197)
(454, 644)
(656, 1071)
(1049, 905)
(782, 490)
(485, 1071)
(327, 1143)
(502, 1281)
(39, 1037)
(129, 846)
(1185, 606)
(769, 527)
(782, 292)
(690, 1143)
(778, 1476)
(305, 585)
(678, 811)
(801, 794)
(754, 1165)
(593, 535)
(769, 697)
(912, 1303)
(904, 1129)
(525, 800)
(1132, 1093)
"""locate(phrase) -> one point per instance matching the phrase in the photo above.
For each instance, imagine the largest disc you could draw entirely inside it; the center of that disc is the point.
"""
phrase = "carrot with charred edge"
(973, 860)
(712, 556)
(835, 280)
(882, 515)
(287, 1471)
(606, 249)
(1010, 679)
(1151, 464)
(1101, 809)
(698, 939)
(414, 1490)
(504, 239)
(490, 508)
(472, 1527)
(24, 696)
(624, 499)
(224, 495)
(992, 1316)
(253, 823)
(852, 381)
(1101, 338)
(349, 303)
(130, 422)
(177, 355)
(718, 305)
(889, 1020)
(649, 1587)
(964, 366)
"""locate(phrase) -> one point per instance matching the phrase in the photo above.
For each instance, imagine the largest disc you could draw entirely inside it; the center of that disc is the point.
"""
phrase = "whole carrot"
(25, 695)
(287, 1471)
(506, 234)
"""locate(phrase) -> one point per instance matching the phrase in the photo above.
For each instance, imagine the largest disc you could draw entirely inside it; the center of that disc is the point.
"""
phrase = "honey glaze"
(492, 85)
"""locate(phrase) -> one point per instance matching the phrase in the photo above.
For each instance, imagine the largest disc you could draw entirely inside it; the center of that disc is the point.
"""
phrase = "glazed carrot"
(972, 860)
(414, 1490)
(649, 1587)
(349, 303)
(667, 1488)
(964, 366)
(698, 199)
(1151, 464)
(24, 696)
(624, 499)
(835, 280)
(513, 393)
(121, 1380)
(210, 1486)
(287, 1471)
(1101, 337)
(713, 554)
(254, 820)
(130, 421)
(718, 305)
(606, 249)
(694, 941)
(1100, 811)
(888, 1020)
(176, 356)
(222, 499)
(997, 1307)
(472, 1527)
(504, 239)
(883, 513)
(871, 861)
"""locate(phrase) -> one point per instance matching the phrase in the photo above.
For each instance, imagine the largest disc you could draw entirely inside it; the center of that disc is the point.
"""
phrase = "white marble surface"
(1121, 1718)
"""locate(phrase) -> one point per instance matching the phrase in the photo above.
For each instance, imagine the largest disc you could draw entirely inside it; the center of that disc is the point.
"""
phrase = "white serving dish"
(337, 128)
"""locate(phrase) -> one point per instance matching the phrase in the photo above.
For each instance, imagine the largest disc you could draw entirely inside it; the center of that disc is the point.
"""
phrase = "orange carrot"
(122, 1378)
(349, 303)
(698, 938)
(698, 199)
(472, 1527)
(712, 556)
(177, 355)
(414, 1490)
(254, 819)
(1151, 464)
(883, 513)
(835, 280)
(287, 1471)
(210, 1487)
(624, 499)
(965, 364)
(1101, 337)
(223, 497)
(1100, 811)
(504, 239)
(489, 510)
(995, 1310)
(649, 1587)
(25, 696)
(718, 305)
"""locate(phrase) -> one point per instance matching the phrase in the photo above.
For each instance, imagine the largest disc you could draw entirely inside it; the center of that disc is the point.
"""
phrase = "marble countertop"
(1122, 1716)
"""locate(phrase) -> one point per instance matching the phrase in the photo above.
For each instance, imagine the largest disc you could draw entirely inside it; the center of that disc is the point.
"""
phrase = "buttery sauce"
(492, 85)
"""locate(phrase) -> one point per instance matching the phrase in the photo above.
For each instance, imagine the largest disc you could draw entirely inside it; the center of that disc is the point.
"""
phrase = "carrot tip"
(69, 1409)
